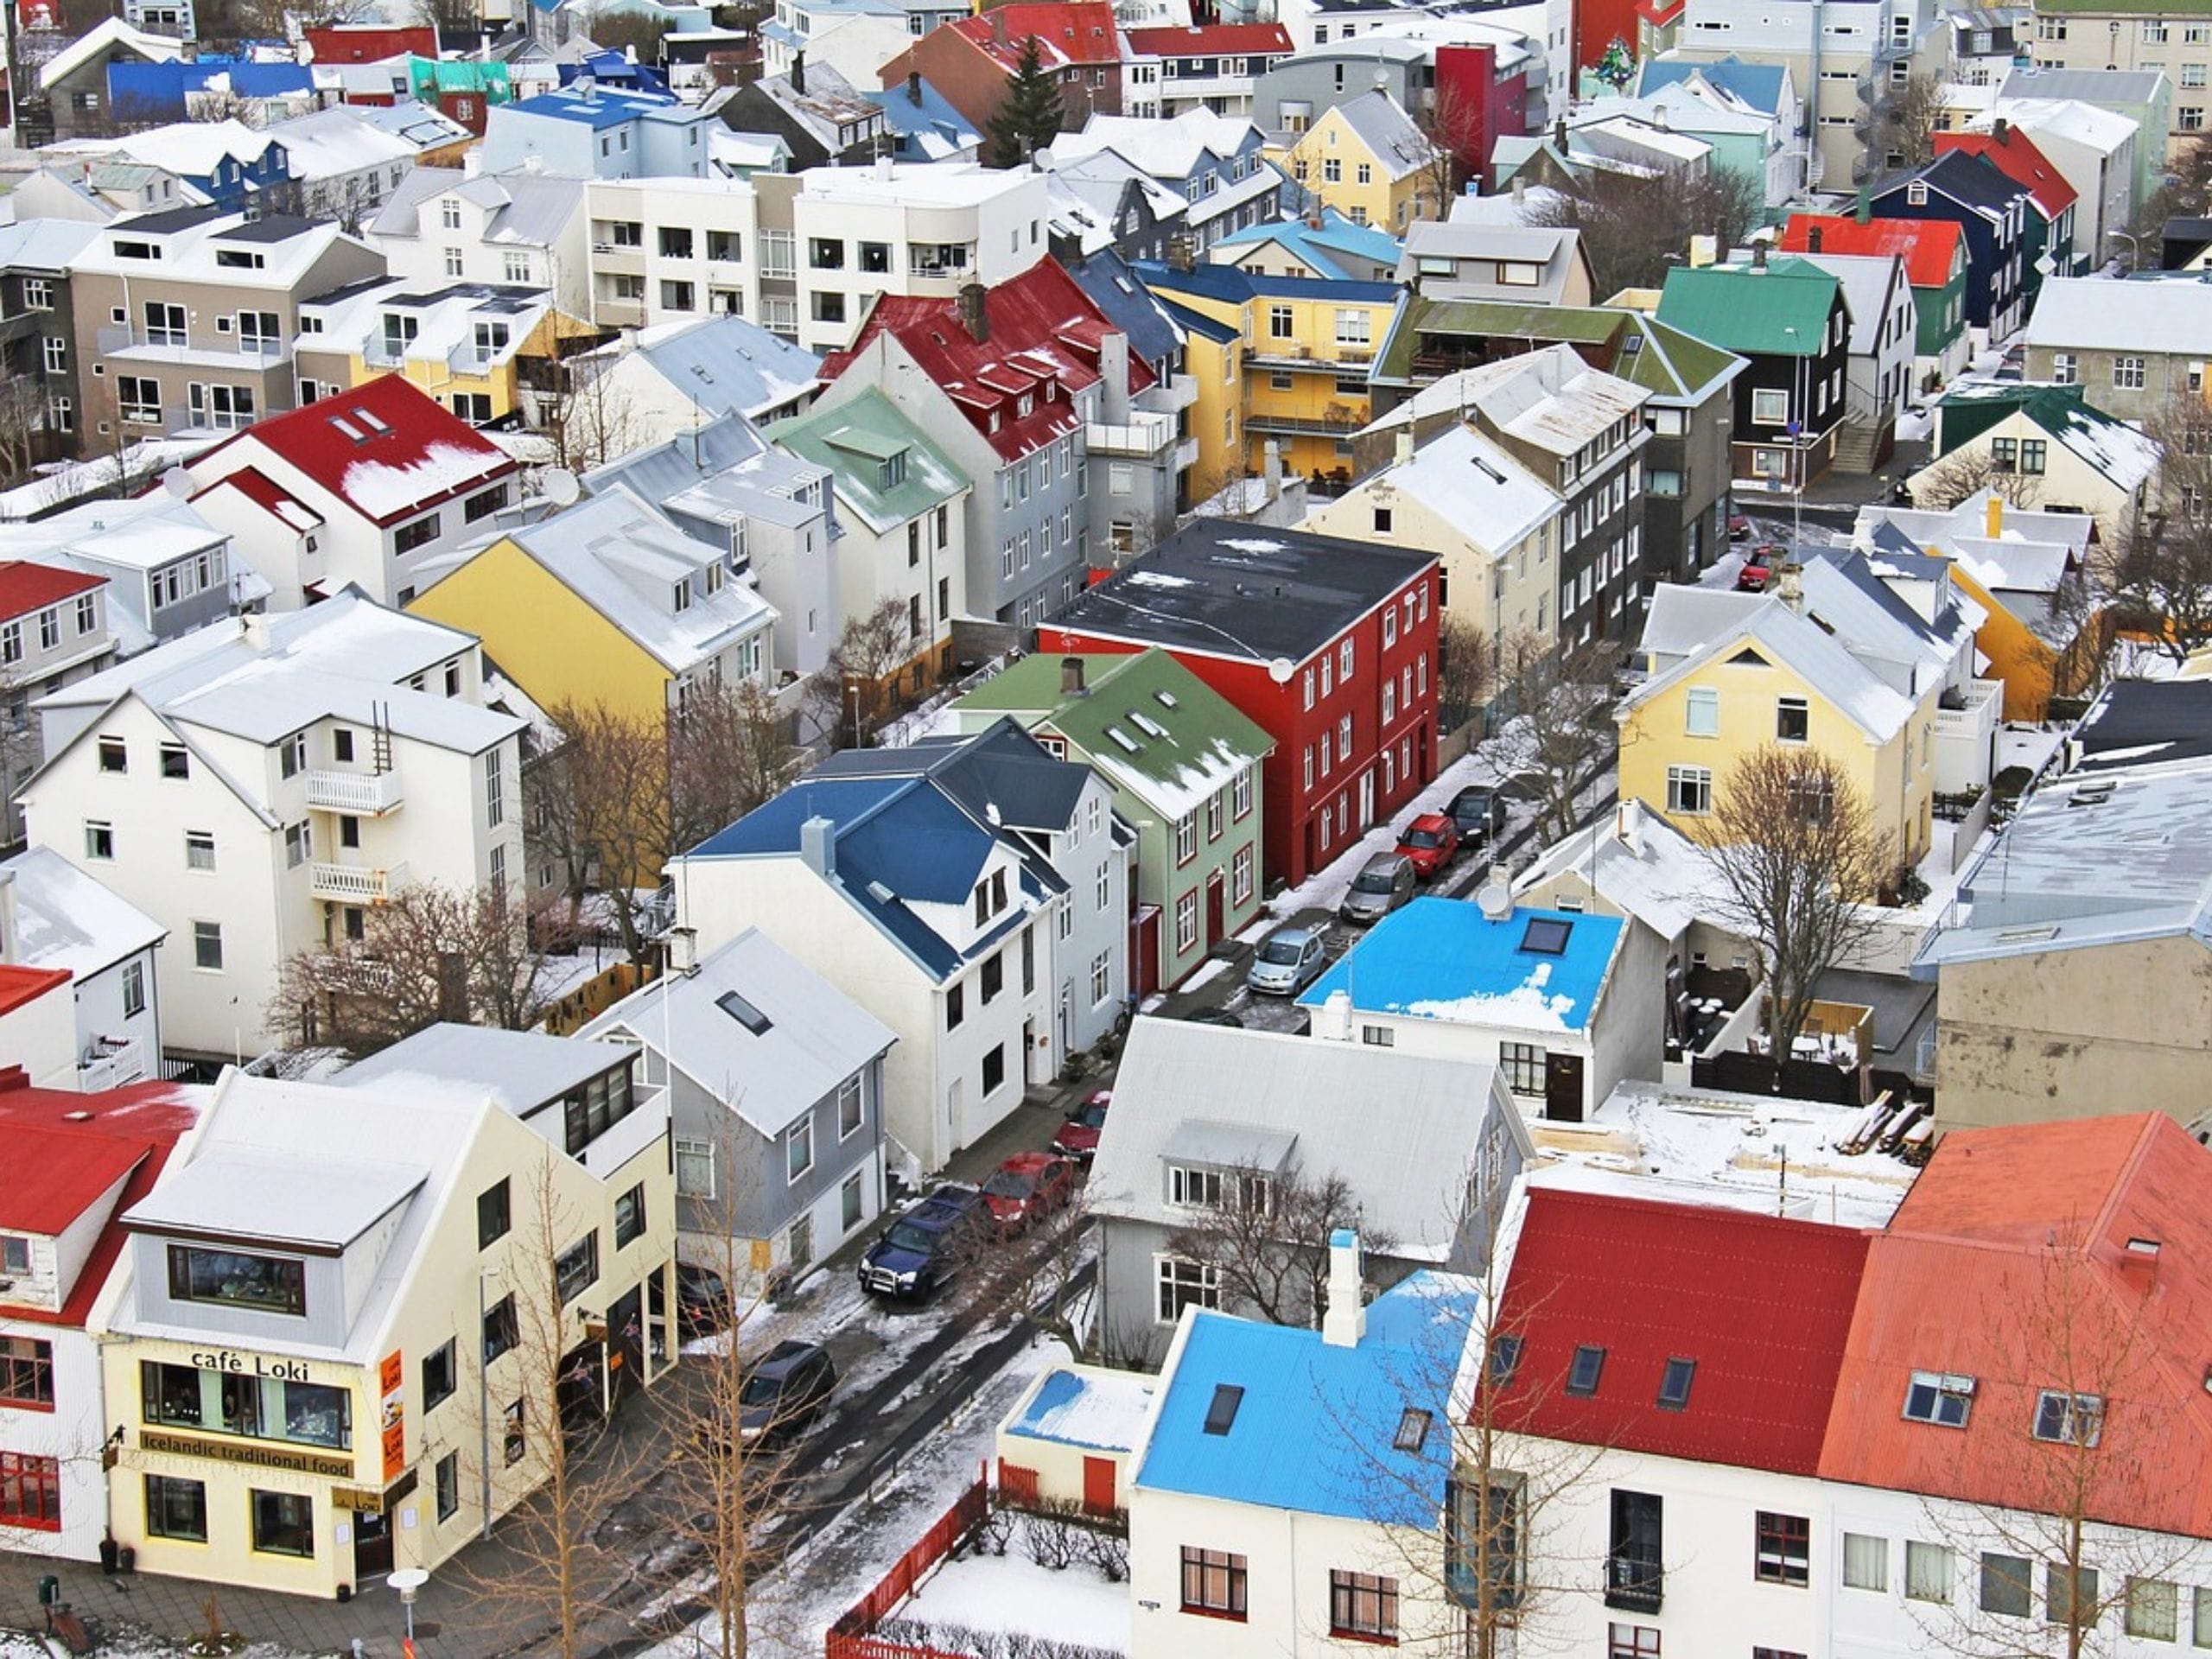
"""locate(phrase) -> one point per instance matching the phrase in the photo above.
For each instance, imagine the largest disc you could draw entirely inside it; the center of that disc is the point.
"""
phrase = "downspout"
(1813, 100)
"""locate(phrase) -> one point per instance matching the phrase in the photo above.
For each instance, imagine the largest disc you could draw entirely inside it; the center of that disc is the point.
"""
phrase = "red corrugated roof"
(1929, 246)
(2009, 1263)
(25, 586)
(369, 43)
(366, 444)
(1210, 39)
(1074, 32)
(2014, 154)
(1043, 343)
(21, 985)
(1762, 1305)
(1660, 12)
(271, 497)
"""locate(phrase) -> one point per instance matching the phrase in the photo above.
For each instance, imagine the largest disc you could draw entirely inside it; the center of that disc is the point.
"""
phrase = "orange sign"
(391, 1378)
(391, 1375)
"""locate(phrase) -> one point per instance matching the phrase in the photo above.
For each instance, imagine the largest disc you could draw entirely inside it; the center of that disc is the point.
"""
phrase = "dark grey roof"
(1128, 305)
(1902, 553)
(1235, 590)
(170, 218)
(2171, 718)
(1001, 775)
(1854, 569)
(1972, 180)
(1903, 1009)
(277, 227)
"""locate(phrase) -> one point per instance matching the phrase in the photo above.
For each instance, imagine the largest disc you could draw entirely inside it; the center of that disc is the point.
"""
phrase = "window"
(2075, 1419)
(1588, 1367)
(994, 1070)
(2153, 1609)
(1240, 795)
(38, 294)
(501, 1332)
(2005, 1586)
(113, 756)
(177, 1509)
(1214, 1582)
(1928, 1574)
(283, 1523)
(1352, 327)
(798, 1149)
(1939, 1397)
(1363, 1603)
(1523, 1066)
(993, 975)
(1792, 720)
(1378, 1036)
(99, 839)
(1701, 711)
(1784, 1550)
(1771, 407)
(2065, 1590)
(1186, 921)
(87, 614)
(199, 850)
(576, 1268)
(266, 1284)
(955, 999)
(1865, 1562)
(26, 1362)
(1187, 839)
(56, 352)
(630, 1216)
(2128, 374)
(494, 791)
(1185, 1284)
(848, 1108)
(513, 1439)
(1240, 876)
(439, 1375)
(299, 844)
(1689, 790)
(420, 532)
(1674, 1385)
(1631, 1641)
(207, 946)
(134, 989)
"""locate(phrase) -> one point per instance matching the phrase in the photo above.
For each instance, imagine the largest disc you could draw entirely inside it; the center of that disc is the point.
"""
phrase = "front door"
(626, 1329)
(1098, 1486)
(1367, 799)
(1217, 918)
(1563, 1088)
(372, 1546)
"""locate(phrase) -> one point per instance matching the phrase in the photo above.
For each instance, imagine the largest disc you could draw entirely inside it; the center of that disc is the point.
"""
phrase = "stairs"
(1859, 447)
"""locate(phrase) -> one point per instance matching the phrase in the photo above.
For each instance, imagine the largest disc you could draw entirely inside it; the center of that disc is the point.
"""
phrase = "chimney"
(1335, 1024)
(973, 317)
(1271, 469)
(1993, 517)
(1559, 134)
(1405, 445)
(1862, 208)
(883, 169)
(1520, 190)
(1789, 584)
(1629, 825)
(1758, 255)
(1812, 238)
(683, 950)
(472, 163)
(253, 627)
(2140, 1257)
(1344, 1322)
(818, 846)
(2001, 129)
(1071, 684)
(798, 73)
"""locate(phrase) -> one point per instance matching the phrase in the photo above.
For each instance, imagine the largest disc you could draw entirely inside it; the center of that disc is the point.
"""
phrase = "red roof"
(363, 43)
(1760, 1304)
(2012, 153)
(1071, 32)
(387, 448)
(1043, 340)
(1930, 246)
(270, 497)
(81, 1145)
(25, 586)
(1210, 39)
(21, 985)
(2011, 1262)
(1660, 13)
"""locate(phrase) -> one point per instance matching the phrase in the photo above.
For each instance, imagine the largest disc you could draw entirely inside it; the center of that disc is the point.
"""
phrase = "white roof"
(65, 919)
(1870, 281)
(2066, 117)
(109, 34)
(1163, 150)
(195, 147)
(143, 533)
(2105, 313)
(1532, 204)
(904, 184)
(188, 251)
(331, 142)
(1640, 863)
(445, 324)
(1477, 488)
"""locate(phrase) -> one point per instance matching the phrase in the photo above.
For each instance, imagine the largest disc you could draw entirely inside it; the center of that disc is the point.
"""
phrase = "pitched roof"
(1324, 248)
(26, 586)
(109, 34)
(1639, 349)
(67, 920)
(1781, 311)
(2125, 454)
(2100, 313)
(1387, 132)
(1236, 285)
(1198, 589)
(857, 440)
(1760, 1304)
(729, 365)
(1211, 39)
(1477, 486)
(2066, 1256)
(1972, 181)
(1867, 280)
(1171, 151)
(1759, 84)
(1929, 246)
(1068, 32)
(2014, 155)
(1636, 860)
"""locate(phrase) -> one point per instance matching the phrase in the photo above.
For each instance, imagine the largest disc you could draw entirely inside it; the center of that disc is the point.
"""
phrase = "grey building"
(823, 117)
(1430, 1155)
(777, 1100)
(38, 326)
(1295, 94)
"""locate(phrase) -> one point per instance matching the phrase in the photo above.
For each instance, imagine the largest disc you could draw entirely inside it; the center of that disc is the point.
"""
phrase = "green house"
(1184, 766)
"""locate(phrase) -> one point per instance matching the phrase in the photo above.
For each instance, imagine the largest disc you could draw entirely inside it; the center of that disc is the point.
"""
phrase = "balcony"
(1633, 1585)
(352, 884)
(1334, 425)
(362, 794)
(1144, 435)
(1186, 455)
(111, 1063)
(177, 345)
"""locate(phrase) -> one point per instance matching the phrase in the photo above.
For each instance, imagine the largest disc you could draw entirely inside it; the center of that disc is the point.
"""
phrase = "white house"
(524, 229)
(54, 917)
(253, 785)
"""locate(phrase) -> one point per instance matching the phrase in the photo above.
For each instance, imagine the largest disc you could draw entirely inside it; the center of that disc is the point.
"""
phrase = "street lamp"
(409, 1582)
(2134, 253)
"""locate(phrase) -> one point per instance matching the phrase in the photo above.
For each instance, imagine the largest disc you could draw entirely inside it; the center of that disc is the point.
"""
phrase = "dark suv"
(927, 1246)
(785, 1391)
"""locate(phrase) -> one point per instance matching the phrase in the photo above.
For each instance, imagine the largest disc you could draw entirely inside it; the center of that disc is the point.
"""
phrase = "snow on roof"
(64, 918)
(2103, 313)
(330, 142)
(1163, 150)
(1477, 488)
(1101, 1409)
(192, 240)
(1444, 959)
(110, 34)
(2064, 117)
(1638, 861)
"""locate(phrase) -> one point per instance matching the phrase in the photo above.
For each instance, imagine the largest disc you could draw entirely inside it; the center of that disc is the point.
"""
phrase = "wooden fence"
(852, 1636)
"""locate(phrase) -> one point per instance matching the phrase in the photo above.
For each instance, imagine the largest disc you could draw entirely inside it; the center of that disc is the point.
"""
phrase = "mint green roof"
(1741, 309)
(426, 76)
(1180, 740)
(854, 441)
(1664, 362)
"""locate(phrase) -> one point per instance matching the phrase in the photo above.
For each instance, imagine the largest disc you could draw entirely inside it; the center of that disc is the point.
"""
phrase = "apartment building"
(2139, 38)
(187, 318)
(590, 131)
(2133, 350)
(254, 785)
(469, 345)
(518, 230)
(38, 324)
(1211, 66)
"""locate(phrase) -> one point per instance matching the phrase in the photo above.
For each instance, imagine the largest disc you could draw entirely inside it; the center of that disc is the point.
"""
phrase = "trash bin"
(107, 1555)
(49, 1591)
(126, 1559)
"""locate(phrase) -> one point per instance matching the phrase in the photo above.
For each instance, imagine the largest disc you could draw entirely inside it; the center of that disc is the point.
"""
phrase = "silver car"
(1383, 883)
(1288, 960)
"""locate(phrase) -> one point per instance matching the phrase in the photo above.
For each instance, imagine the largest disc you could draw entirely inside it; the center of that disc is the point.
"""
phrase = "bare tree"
(1264, 1235)
(1453, 131)
(1966, 472)
(1797, 864)
(585, 416)
(1559, 728)
(430, 953)
(856, 691)
(2159, 572)
(1634, 228)
(2186, 192)
(1466, 671)
(25, 422)
(1908, 117)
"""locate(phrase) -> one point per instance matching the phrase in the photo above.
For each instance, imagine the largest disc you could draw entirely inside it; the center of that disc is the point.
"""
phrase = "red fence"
(851, 1636)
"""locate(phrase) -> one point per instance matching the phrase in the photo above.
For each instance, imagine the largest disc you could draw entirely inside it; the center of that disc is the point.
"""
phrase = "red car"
(1758, 569)
(1028, 1187)
(1078, 1136)
(1428, 843)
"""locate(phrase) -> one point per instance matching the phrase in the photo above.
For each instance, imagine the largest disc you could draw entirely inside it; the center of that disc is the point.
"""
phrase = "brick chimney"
(914, 87)
(1812, 238)
(973, 316)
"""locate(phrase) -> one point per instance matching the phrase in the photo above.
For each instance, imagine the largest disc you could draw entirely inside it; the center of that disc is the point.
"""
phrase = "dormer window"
(990, 897)
(682, 600)
(135, 249)
(1023, 406)
(892, 471)
(237, 1279)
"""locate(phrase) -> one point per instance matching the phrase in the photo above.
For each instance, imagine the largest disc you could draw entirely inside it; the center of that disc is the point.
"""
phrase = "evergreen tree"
(1029, 116)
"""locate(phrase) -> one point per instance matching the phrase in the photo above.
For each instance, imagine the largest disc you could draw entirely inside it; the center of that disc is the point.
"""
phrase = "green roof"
(1664, 362)
(1144, 720)
(857, 441)
(430, 76)
(1742, 309)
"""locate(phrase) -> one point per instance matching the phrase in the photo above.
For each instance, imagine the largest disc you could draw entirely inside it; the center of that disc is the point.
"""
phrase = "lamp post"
(2134, 253)
(409, 1582)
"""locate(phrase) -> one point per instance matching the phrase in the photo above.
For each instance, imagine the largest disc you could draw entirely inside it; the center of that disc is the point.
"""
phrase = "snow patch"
(379, 489)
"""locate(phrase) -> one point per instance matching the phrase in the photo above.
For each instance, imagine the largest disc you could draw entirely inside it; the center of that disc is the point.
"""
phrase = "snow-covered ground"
(1012, 1593)
(2027, 746)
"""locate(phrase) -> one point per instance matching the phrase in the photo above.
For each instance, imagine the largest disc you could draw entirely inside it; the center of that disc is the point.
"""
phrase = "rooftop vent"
(1148, 725)
(1166, 699)
(2095, 794)
(1122, 740)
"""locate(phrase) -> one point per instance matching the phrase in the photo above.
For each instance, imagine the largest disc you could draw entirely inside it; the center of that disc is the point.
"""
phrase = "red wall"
(1597, 24)
(357, 45)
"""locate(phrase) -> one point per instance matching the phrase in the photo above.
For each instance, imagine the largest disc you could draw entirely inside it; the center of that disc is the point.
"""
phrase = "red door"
(1215, 918)
(1098, 1486)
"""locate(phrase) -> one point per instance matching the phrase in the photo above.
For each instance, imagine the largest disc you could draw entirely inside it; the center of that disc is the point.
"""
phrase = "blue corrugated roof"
(1198, 323)
(1321, 248)
(1443, 959)
(1316, 1430)
(602, 107)
(1759, 84)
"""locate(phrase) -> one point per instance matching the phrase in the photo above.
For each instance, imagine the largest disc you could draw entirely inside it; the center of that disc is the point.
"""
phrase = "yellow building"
(1366, 159)
(476, 352)
(1303, 345)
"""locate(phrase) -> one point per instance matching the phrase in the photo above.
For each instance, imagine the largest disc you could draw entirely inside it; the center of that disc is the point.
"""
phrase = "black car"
(1480, 815)
(927, 1246)
(1216, 1017)
(785, 1391)
(702, 1300)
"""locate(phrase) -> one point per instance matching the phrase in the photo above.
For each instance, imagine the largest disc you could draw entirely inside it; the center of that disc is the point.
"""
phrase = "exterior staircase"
(1860, 446)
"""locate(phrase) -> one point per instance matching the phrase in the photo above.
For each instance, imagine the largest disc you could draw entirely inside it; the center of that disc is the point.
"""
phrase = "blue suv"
(927, 1246)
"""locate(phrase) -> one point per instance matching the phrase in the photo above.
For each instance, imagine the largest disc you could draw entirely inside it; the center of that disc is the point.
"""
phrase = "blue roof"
(1316, 1430)
(1069, 1409)
(601, 107)
(1759, 84)
(1443, 959)
(932, 115)
(1227, 282)
(1320, 248)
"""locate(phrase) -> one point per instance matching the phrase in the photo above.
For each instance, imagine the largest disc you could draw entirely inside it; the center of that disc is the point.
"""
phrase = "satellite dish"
(1496, 900)
(177, 482)
(1281, 669)
(560, 487)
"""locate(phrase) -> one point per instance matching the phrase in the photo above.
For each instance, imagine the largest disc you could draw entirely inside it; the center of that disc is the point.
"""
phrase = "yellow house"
(1213, 356)
(475, 352)
(1366, 159)
(1820, 665)
(1304, 345)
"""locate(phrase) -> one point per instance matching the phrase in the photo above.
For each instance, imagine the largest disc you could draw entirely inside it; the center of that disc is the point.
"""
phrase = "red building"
(1483, 105)
(368, 43)
(968, 60)
(1329, 645)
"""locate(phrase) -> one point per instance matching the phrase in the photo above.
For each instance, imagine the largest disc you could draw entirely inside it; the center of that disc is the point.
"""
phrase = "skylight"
(1545, 935)
(349, 429)
(744, 1013)
(1589, 1365)
(1504, 1360)
(1166, 699)
(1227, 1396)
(1122, 740)
(370, 421)
(1413, 1430)
(1148, 725)
(1674, 1385)
(1939, 1397)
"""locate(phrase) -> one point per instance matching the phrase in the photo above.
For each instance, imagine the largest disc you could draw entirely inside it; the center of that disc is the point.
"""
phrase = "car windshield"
(1374, 881)
(1471, 807)
(1092, 1117)
(906, 1236)
(1283, 953)
(1008, 1185)
(1423, 838)
(760, 1391)
(703, 1283)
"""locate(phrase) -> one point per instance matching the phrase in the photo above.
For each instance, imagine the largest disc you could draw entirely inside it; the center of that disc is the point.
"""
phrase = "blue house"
(598, 132)
(227, 162)
(1992, 213)
(614, 71)
(157, 92)
(1566, 1005)
(1335, 250)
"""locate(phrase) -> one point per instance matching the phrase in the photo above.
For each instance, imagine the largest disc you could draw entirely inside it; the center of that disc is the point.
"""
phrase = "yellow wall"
(1379, 202)
(2023, 662)
(1654, 736)
(555, 647)
(1218, 416)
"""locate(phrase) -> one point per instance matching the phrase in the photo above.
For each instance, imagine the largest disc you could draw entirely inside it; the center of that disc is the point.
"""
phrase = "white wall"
(71, 1433)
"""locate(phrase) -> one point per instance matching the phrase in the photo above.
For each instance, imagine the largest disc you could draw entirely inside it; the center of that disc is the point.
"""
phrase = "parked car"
(2014, 364)
(1216, 1017)
(1758, 568)
(1739, 528)
(1429, 842)
(1026, 1188)
(927, 1246)
(1383, 883)
(785, 1391)
(702, 1300)
(1478, 813)
(1078, 1136)
(1288, 960)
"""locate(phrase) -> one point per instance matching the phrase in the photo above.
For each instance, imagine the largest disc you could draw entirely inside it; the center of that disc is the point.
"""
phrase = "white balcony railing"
(369, 793)
(350, 883)
(1146, 434)
(111, 1065)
